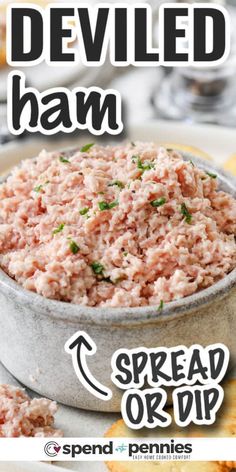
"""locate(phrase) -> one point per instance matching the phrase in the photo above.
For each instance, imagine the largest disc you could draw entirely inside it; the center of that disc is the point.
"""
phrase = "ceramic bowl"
(34, 330)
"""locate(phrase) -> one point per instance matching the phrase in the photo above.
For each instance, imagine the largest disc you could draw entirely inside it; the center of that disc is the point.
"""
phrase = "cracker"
(229, 464)
(166, 467)
(186, 148)
(225, 426)
(3, 56)
(119, 429)
(230, 164)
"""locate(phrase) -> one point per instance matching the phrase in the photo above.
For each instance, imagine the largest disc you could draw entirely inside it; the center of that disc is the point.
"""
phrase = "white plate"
(220, 143)
(217, 141)
(75, 423)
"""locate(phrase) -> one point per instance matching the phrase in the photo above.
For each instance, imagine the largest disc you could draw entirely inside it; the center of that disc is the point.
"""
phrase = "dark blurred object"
(205, 95)
(198, 95)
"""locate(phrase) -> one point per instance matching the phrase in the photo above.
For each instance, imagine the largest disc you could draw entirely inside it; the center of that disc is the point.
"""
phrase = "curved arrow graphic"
(79, 346)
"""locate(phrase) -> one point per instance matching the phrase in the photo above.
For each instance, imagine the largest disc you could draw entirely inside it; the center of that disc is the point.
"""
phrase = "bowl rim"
(109, 316)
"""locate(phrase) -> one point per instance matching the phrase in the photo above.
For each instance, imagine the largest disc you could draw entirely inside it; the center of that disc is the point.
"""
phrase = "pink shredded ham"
(129, 225)
(21, 416)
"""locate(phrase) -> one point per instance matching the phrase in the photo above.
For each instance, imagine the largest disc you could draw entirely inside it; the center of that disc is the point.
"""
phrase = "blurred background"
(184, 94)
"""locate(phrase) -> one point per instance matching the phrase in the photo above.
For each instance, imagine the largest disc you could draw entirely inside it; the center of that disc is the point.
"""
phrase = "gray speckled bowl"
(34, 330)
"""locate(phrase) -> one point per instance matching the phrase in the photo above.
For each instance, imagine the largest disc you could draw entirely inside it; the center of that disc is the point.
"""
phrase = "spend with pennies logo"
(52, 448)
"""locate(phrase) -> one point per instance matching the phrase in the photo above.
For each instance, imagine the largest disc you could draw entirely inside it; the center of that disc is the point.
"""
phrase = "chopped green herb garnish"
(58, 229)
(118, 183)
(169, 149)
(74, 247)
(101, 193)
(103, 206)
(98, 268)
(107, 206)
(186, 213)
(139, 164)
(64, 160)
(125, 254)
(113, 204)
(84, 211)
(159, 202)
(161, 306)
(38, 188)
(213, 176)
(86, 147)
(144, 166)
